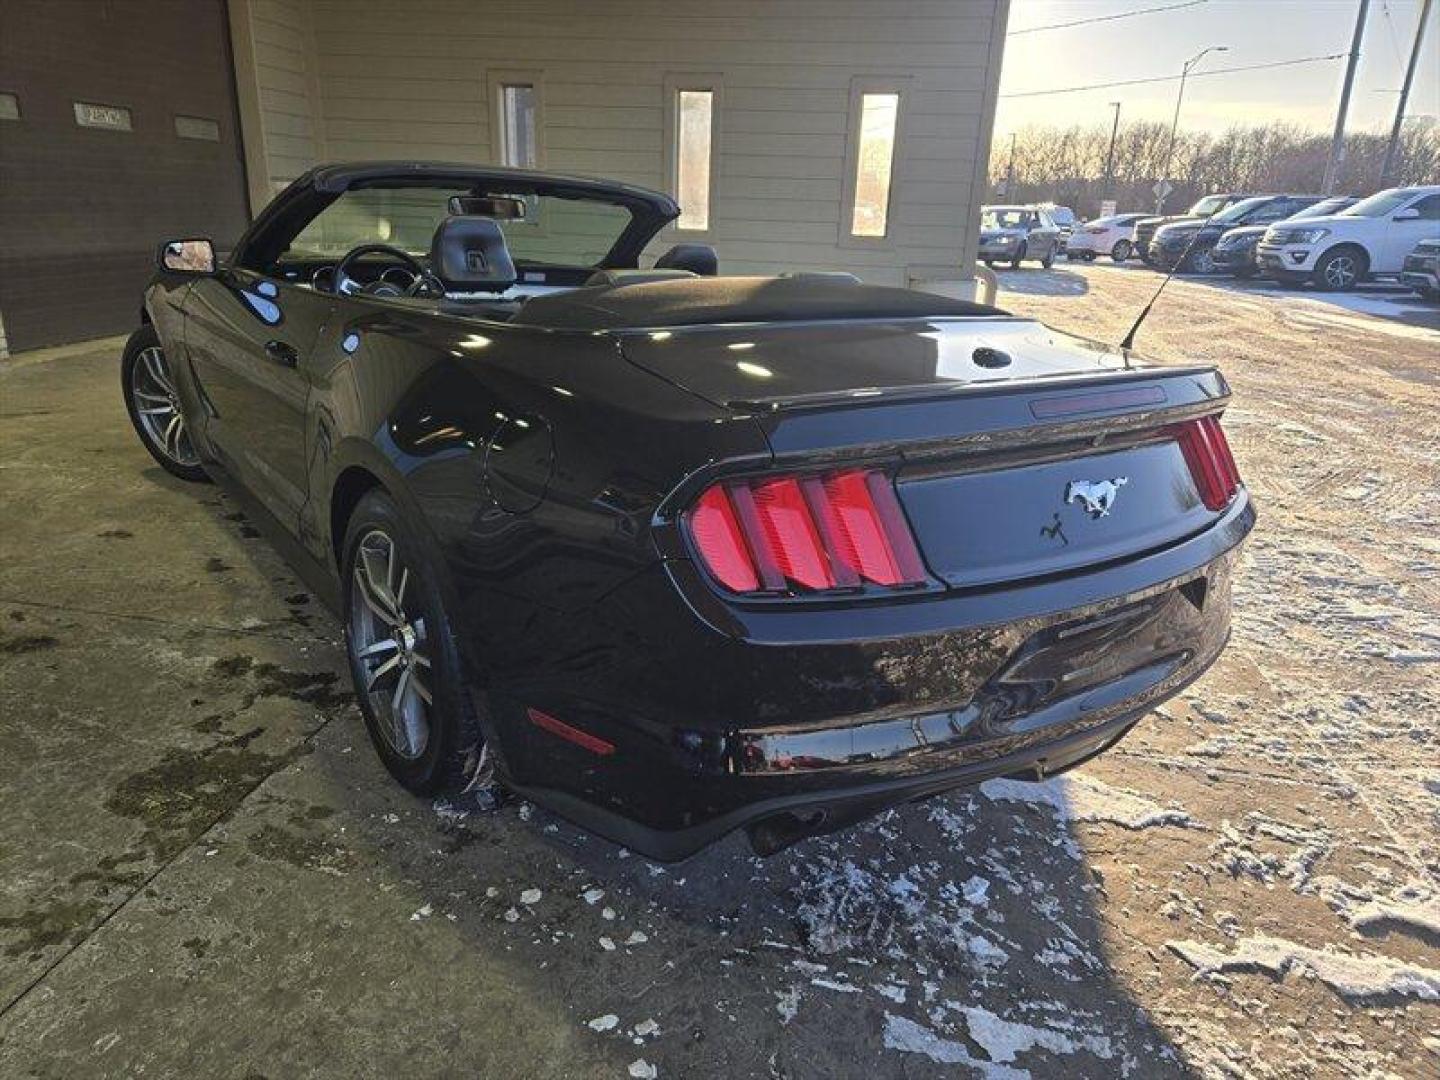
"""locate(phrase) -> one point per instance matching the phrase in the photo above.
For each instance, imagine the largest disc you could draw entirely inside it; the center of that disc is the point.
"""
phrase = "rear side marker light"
(805, 533)
(1212, 466)
(569, 733)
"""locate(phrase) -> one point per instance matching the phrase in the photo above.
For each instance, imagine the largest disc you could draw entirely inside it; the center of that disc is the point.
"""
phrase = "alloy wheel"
(1203, 262)
(390, 646)
(1341, 272)
(157, 404)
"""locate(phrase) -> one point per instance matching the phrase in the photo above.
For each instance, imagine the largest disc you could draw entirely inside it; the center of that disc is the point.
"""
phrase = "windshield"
(1323, 208)
(1208, 205)
(1006, 217)
(1238, 210)
(1381, 203)
(556, 231)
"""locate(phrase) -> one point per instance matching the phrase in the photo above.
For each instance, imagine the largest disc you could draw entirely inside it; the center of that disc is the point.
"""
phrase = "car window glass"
(1429, 208)
(1003, 217)
(1380, 204)
(574, 232)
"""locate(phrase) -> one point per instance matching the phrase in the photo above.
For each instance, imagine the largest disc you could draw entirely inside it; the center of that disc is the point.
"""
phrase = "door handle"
(282, 353)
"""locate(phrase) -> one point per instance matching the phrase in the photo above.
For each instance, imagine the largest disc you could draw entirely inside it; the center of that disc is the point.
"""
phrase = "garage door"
(117, 128)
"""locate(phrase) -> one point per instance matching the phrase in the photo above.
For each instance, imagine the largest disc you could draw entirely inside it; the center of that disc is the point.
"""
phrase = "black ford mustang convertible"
(674, 553)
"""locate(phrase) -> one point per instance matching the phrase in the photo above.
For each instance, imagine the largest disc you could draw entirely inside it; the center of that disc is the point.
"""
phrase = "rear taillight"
(803, 534)
(1208, 455)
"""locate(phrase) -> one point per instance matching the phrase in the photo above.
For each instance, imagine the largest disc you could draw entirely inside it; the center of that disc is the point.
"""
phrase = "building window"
(9, 106)
(111, 117)
(692, 118)
(874, 163)
(518, 106)
(694, 128)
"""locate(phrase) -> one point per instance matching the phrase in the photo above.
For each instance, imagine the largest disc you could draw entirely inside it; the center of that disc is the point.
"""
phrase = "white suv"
(1338, 252)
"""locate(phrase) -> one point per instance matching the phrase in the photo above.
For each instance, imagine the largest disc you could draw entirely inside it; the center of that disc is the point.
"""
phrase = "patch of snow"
(831, 984)
(787, 1003)
(637, 938)
(1077, 797)
(891, 991)
(531, 896)
(592, 896)
(1003, 1039)
(1355, 978)
(911, 1038)
(645, 1029)
(424, 911)
(603, 1023)
(607, 944)
(640, 1069)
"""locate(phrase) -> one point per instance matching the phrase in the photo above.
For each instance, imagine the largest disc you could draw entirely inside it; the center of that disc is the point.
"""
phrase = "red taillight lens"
(1212, 466)
(717, 534)
(805, 534)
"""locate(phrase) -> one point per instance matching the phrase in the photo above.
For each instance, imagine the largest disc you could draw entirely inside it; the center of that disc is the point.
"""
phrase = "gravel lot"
(204, 871)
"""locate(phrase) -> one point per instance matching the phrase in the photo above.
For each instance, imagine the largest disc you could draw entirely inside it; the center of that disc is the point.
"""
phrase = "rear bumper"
(720, 724)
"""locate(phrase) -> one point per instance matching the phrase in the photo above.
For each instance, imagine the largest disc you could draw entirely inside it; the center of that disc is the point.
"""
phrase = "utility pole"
(1175, 123)
(1110, 156)
(1337, 144)
(1405, 94)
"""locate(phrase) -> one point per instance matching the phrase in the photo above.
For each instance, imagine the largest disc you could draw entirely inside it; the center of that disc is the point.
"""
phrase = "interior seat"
(699, 259)
(469, 254)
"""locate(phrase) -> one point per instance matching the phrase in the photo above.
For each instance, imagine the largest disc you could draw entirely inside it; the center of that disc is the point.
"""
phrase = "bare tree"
(1066, 165)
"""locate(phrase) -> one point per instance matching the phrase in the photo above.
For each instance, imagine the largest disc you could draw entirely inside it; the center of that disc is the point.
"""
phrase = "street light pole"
(1175, 123)
(1110, 156)
(1337, 143)
(1404, 94)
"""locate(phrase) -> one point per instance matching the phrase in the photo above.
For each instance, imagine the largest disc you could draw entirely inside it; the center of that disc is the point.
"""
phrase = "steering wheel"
(422, 280)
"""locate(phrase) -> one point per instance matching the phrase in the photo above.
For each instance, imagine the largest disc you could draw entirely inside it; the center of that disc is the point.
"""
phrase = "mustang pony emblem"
(1097, 496)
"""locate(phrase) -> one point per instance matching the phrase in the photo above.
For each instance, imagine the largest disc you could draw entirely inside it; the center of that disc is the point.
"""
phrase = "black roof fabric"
(704, 300)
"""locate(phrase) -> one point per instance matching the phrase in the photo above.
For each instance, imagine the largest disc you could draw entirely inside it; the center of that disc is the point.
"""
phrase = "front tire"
(1049, 260)
(153, 403)
(404, 658)
(1122, 251)
(1340, 270)
(1019, 255)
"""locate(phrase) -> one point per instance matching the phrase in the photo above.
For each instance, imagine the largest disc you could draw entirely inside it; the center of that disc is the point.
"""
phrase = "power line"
(1104, 18)
(1173, 78)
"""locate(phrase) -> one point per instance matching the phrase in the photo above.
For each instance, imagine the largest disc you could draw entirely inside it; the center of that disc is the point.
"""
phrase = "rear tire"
(153, 404)
(403, 654)
(1122, 251)
(1340, 269)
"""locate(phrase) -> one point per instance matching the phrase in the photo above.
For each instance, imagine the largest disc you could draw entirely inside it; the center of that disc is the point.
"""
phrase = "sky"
(1256, 32)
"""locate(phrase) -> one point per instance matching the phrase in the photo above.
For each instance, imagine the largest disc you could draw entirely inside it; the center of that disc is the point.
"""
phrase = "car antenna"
(1128, 341)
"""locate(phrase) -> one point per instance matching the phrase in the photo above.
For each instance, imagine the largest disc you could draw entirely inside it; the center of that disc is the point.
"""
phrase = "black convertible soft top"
(703, 300)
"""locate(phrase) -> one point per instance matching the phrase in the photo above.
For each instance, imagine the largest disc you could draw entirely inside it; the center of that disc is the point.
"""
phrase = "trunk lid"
(789, 366)
(1017, 451)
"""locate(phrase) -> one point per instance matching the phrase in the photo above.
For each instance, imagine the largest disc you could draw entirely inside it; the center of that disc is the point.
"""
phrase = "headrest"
(635, 277)
(469, 253)
(697, 258)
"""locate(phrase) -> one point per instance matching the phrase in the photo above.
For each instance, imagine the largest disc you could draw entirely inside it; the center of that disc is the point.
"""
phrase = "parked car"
(1204, 207)
(1234, 252)
(1113, 236)
(1014, 233)
(1065, 220)
(1339, 252)
(1194, 238)
(1421, 270)
(650, 547)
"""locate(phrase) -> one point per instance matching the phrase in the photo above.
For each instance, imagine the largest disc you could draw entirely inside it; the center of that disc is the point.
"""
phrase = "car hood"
(1244, 232)
(1332, 222)
(794, 365)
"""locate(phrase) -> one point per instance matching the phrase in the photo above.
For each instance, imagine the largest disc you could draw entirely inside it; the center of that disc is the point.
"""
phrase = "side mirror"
(1408, 214)
(195, 256)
